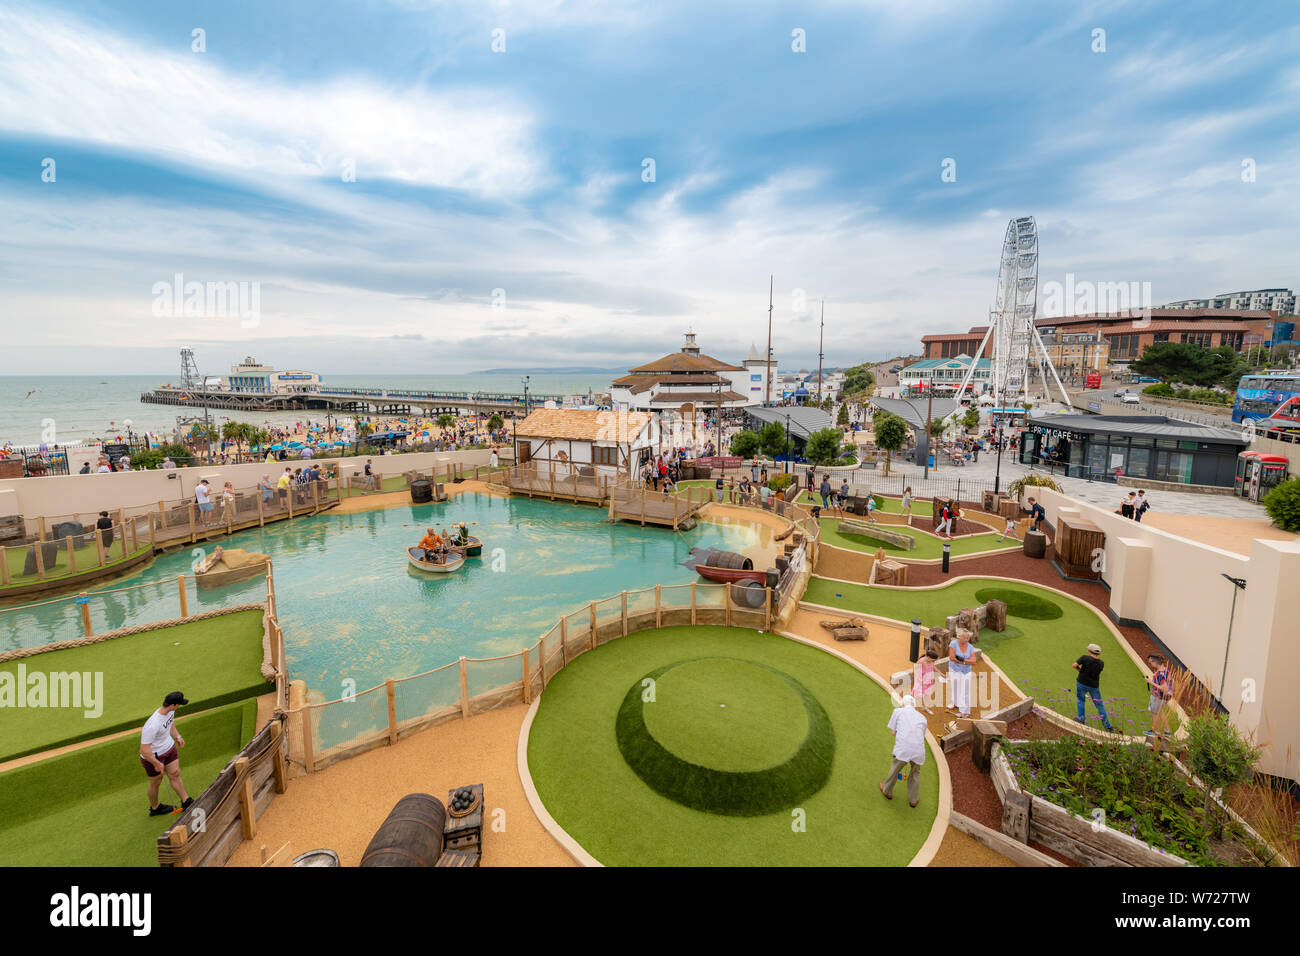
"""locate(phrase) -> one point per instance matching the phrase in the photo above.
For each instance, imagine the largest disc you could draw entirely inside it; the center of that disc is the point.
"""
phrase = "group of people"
(1134, 506)
(908, 722)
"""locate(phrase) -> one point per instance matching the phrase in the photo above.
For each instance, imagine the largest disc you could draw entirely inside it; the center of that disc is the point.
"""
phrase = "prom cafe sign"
(1053, 435)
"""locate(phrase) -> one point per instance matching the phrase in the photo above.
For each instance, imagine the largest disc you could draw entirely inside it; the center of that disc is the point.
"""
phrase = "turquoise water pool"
(355, 613)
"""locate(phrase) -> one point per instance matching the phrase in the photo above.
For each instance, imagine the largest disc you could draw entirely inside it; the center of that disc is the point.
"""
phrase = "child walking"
(907, 504)
(1009, 531)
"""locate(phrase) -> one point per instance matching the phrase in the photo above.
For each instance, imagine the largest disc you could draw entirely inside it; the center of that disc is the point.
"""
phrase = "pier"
(360, 401)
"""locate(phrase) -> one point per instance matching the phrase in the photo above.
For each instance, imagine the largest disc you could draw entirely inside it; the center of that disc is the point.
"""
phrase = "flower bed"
(1145, 801)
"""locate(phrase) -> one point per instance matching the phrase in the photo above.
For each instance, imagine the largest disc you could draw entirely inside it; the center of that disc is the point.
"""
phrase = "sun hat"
(1094, 649)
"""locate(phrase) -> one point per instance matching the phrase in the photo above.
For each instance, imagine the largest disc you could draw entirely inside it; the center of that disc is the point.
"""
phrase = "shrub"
(779, 483)
(1218, 755)
(745, 444)
(1032, 480)
(890, 432)
(772, 439)
(823, 446)
(1283, 505)
(1159, 390)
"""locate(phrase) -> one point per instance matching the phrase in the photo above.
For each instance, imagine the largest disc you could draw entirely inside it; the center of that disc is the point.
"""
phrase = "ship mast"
(767, 397)
(820, 332)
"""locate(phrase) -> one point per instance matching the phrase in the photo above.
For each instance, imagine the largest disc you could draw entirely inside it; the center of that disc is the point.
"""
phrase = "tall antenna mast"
(820, 333)
(767, 397)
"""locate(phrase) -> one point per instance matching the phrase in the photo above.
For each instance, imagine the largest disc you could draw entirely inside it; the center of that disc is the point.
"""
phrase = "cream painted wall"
(1176, 587)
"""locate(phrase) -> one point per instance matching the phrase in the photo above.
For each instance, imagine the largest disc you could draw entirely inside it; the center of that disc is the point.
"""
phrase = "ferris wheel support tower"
(1016, 342)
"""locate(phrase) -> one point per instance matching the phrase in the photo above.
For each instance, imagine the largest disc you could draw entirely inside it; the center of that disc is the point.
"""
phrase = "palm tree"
(446, 421)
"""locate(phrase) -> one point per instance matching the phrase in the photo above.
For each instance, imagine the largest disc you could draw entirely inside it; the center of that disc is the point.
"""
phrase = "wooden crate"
(1077, 541)
(465, 833)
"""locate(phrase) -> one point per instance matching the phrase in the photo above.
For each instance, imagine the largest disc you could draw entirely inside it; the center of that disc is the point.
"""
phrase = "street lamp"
(787, 468)
(997, 475)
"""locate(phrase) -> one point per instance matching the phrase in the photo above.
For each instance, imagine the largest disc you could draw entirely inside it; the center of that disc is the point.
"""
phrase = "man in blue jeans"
(1088, 683)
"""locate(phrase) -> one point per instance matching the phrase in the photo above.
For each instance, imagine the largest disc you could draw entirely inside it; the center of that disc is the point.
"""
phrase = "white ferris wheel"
(1016, 342)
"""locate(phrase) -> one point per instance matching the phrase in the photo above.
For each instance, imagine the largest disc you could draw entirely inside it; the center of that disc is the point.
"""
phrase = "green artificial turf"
(1037, 656)
(766, 747)
(214, 661)
(87, 558)
(89, 807)
(588, 786)
(893, 506)
(927, 545)
(1031, 606)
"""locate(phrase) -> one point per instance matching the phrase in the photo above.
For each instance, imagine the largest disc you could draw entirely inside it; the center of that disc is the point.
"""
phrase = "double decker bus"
(1262, 396)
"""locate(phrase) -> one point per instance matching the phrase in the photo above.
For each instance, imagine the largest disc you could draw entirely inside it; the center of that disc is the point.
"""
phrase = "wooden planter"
(1077, 541)
(1030, 818)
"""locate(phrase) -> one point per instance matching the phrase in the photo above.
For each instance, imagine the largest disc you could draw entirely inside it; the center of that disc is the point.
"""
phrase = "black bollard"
(947, 550)
(914, 647)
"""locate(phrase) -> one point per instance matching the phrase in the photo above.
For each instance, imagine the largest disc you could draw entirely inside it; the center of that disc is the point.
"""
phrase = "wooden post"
(87, 629)
(767, 608)
(135, 542)
(162, 514)
(39, 549)
(624, 597)
(40, 528)
(247, 820)
(288, 498)
(4, 564)
(591, 643)
(308, 757)
(692, 602)
(261, 512)
(552, 480)
(541, 658)
(676, 502)
(464, 689)
(180, 587)
(152, 539)
(99, 547)
(190, 513)
(564, 641)
(121, 523)
(315, 497)
(659, 617)
(177, 837)
(391, 688)
(72, 557)
(726, 603)
(528, 683)
(643, 506)
(279, 769)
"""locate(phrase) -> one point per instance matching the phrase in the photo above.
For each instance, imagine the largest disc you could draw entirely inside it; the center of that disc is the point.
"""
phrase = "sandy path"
(342, 806)
(1230, 534)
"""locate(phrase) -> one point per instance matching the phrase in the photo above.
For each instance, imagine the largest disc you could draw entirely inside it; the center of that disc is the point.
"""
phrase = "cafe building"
(1149, 447)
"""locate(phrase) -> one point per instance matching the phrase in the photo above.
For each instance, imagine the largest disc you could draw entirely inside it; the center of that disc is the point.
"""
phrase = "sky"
(438, 186)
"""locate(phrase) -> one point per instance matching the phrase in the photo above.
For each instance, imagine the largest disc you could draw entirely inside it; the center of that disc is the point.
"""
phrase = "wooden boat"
(452, 561)
(728, 567)
(228, 566)
(471, 550)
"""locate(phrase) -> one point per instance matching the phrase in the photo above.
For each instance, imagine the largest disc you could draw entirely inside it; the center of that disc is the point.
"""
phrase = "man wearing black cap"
(160, 745)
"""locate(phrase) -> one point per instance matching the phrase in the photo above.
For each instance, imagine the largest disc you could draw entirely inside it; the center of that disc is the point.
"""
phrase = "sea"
(72, 409)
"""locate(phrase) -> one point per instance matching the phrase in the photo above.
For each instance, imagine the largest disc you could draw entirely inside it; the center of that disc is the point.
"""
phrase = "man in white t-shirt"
(160, 746)
(908, 727)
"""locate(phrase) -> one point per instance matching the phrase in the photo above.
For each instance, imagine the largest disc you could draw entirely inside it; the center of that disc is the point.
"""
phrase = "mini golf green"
(716, 746)
(1035, 651)
(928, 546)
(214, 661)
(89, 807)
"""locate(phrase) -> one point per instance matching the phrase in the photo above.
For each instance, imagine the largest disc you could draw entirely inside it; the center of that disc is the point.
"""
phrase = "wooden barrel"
(421, 490)
(729, 559)
(412, 834)
(1035, 544)
(749, 594)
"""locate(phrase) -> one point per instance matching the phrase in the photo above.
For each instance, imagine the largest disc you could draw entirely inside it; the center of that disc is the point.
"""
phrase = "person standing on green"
(1088, 684)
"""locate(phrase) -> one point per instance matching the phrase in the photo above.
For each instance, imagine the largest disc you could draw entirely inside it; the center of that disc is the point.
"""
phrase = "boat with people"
(465, 542)
(450, 560)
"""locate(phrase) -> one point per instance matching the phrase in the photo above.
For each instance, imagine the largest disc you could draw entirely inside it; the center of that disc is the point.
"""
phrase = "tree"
(446, 421)
(823, 446)
(842, 418)
(972, 418)
(1190, 364)
(858, 381)
(772, 440)
(745, 444)
(1283, 505)
(495, 422)
(1218, 755)
(890, 432)
(938, 426)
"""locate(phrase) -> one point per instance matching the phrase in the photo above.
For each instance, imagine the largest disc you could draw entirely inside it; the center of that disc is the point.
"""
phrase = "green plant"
(495, 422)
(938, 426)
(446, 421)
(153, 457)
(1219, 755)
(779, 483)
(972, 418)
(823, 446)
(842, 417)
(1032, 480)
(1159, 390)
(1021, 603)
(1283, 505)
(745, 444)
(890, 432)
(772, 439)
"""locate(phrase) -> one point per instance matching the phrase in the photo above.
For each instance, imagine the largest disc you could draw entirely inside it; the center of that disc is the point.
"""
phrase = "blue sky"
(521, 171)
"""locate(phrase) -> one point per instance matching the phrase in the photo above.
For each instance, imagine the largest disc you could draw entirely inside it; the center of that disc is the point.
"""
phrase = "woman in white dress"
(907, 503)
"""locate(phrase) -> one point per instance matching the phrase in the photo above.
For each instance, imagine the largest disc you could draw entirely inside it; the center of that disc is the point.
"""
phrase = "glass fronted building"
(1106, 447)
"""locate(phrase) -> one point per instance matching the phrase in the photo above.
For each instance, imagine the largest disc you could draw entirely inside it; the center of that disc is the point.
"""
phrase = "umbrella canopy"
(277, 447)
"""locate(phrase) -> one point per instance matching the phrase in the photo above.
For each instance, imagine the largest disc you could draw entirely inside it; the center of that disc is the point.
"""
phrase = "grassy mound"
(1032, 607)
(745, 793)
(214, 661)
(88, 807)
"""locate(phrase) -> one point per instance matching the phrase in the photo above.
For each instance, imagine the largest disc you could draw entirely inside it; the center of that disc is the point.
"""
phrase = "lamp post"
(997, 474)
(787, 468)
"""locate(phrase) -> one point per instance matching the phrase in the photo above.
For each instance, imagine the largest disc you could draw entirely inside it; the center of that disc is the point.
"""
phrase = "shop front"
(1107, 447)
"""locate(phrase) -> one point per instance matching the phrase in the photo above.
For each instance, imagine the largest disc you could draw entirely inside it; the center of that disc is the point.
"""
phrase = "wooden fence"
(469, 686)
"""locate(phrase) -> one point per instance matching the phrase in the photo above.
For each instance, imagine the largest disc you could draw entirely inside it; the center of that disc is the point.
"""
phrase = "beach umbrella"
(277, 447)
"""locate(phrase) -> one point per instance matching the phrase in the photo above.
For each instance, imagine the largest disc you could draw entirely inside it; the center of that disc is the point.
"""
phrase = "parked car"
(1147, 380)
